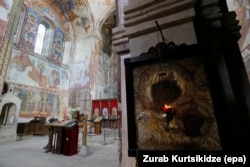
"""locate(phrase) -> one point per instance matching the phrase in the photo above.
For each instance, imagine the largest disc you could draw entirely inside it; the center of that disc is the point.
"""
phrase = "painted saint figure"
(114, 112)
(105, 113)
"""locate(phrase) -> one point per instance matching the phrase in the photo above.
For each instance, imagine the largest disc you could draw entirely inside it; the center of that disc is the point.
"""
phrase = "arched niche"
(8, 114)
(9, 111)
(10, 105)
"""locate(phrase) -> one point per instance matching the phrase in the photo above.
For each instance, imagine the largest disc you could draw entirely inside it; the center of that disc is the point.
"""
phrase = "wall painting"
(31, 71)
(29, 31)
(5, 7)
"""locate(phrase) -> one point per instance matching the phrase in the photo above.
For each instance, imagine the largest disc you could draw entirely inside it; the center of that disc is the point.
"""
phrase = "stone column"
(137, 32)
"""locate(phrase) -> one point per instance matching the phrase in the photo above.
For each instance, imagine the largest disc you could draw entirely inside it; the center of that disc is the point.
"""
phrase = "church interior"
(163, 75)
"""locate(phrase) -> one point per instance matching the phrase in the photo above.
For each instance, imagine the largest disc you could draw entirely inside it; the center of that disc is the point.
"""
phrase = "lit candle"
(167, 108)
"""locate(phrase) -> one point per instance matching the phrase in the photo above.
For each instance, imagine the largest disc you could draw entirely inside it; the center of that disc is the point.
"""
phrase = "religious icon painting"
(169, 102)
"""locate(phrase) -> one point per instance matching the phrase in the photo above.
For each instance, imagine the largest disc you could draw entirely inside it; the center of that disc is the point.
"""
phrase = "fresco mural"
(49, 13)
(81, 98)
(40, 82)
(58, 47)
(41, 85)
(35, 72)
(106, 32)
(5, 7)
(104, 69)
(38, 103)
(66, 7)
(83, 23)
(50, 10)
(89, 69)
(64, 78)
(29, 31)
(79, 75)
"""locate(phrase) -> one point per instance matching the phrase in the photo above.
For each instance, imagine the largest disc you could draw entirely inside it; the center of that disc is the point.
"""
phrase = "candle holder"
(168, 110)
(169, 116)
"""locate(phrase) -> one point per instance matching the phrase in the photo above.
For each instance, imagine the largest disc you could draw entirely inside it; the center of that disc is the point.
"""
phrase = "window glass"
(40, 39)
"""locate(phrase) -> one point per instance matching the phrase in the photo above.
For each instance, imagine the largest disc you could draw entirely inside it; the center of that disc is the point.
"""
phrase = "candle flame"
(167, 106)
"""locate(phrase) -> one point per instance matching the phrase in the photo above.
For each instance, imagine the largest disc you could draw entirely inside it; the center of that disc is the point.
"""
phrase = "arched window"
(40, 39)
(44, 38)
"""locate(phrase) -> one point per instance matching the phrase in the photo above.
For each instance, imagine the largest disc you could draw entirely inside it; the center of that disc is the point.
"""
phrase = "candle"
(167, 108)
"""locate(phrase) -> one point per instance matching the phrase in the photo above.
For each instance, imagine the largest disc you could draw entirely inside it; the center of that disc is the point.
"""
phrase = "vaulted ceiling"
(91, 14)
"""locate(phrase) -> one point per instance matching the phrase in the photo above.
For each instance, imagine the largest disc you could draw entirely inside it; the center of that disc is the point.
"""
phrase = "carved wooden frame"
(161, 53)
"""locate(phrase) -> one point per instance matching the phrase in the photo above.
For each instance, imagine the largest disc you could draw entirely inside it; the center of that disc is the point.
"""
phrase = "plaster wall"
(125, 161)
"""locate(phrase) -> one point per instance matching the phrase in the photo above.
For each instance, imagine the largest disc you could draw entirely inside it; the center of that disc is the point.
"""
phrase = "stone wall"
(137, 32)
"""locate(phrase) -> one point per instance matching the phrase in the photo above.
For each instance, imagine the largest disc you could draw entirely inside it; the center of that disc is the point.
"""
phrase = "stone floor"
(100, 152)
